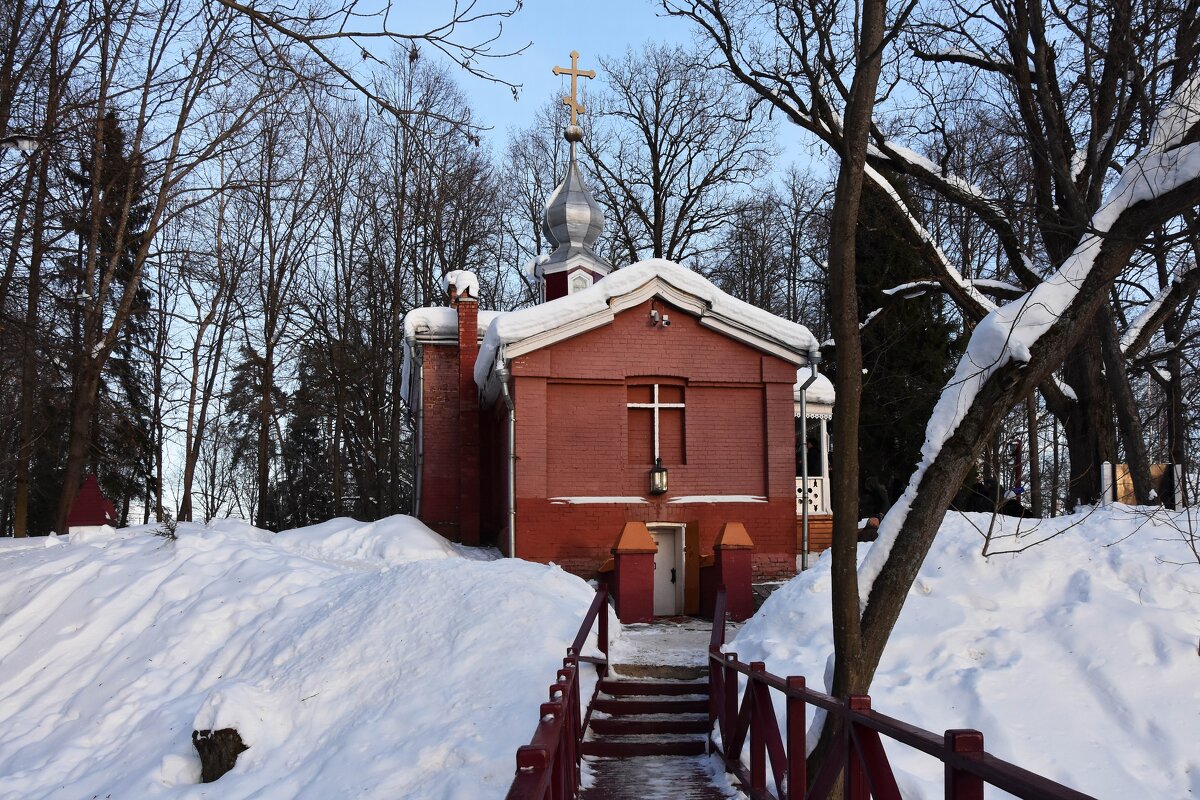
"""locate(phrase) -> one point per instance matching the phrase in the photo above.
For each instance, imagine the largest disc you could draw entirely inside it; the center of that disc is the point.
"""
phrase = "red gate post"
(732, 551)
(963, 743)
(633, 555)
(758, 736)
(797, 741)
(857, 787)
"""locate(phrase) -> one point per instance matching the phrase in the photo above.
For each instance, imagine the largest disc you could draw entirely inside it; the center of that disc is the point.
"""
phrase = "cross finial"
(572, 102)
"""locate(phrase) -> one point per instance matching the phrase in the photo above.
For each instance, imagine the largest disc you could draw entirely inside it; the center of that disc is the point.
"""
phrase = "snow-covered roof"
(530, 329)
(432, 325)
(819, 391)
(438, 322)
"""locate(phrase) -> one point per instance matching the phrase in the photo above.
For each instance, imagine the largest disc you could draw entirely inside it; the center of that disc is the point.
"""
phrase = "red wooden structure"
(858, 754)
(548, 767)
(91, 507)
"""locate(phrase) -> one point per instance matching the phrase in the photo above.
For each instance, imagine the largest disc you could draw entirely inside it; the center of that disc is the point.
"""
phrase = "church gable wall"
(574, 439)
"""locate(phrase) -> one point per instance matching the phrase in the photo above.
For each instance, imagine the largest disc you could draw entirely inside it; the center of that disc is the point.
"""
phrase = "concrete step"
(648, 724)
(655, 777)
(661, 672)
(618, 707)
(636, 746)
(660, 687)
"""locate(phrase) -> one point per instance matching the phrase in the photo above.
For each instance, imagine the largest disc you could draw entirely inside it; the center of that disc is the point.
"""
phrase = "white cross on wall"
(655, 405)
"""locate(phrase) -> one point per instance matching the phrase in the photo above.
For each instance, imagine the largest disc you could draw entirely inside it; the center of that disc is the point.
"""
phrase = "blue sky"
(555, 28)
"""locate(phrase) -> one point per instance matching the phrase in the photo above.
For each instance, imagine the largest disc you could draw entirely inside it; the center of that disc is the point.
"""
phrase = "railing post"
(797, 741)
(714, 695)
(731, 709)
(857, 787)
(602, 637)
(964, 743)
(758, 737)
(558, 776)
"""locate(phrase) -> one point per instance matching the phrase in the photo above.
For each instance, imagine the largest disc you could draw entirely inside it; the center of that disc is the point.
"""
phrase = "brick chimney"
(468, 404)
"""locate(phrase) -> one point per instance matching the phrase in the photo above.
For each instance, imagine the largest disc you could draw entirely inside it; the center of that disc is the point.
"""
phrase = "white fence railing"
(815, 496)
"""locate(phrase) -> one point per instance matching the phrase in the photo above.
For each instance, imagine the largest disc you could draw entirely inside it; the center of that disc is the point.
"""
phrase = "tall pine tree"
(909, 349)
(112, 193)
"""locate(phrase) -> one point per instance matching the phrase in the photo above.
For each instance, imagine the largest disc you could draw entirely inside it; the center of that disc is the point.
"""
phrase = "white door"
(668, 571)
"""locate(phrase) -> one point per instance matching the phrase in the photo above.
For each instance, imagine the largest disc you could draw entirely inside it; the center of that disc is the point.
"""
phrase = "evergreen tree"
(120, 449)
(909, 350)
(246, 409)
(306, 496)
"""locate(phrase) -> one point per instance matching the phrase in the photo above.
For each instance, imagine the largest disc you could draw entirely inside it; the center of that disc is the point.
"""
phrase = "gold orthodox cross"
(572, 102)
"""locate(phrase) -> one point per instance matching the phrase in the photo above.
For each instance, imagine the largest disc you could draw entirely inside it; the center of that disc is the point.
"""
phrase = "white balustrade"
(815, 496)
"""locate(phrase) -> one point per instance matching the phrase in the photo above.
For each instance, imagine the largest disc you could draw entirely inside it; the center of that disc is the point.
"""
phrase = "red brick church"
(634, 411)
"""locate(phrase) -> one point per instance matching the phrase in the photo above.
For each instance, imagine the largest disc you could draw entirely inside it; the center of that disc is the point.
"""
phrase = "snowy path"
(649, 726)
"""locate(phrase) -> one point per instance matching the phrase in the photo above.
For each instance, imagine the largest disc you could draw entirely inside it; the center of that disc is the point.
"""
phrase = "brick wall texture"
(572, 434)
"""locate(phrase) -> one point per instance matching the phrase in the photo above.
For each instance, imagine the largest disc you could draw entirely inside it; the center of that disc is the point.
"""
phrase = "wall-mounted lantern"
(658, 478)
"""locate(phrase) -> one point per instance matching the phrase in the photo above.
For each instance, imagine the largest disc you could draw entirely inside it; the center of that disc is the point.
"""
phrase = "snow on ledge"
(717, 498)
(819, 391)
(440, 322)
(585, 501)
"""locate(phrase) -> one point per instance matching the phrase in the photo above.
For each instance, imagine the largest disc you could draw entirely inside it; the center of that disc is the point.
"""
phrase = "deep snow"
(1076, 658)
(378, 660)
(357, 660)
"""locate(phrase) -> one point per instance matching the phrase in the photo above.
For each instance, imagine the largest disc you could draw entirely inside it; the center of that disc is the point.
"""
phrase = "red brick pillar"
(468, 415)
(731, 552)
(633, 580)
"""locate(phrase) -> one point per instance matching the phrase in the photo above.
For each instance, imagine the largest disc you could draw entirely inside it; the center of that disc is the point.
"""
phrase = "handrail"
(548, 767)
(857, 754)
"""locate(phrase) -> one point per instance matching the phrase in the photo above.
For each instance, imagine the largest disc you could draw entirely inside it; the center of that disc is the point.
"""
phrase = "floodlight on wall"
(658, 477)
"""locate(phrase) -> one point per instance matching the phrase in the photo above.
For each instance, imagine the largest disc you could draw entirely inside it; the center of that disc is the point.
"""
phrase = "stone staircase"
(657, 717)
(648, 732)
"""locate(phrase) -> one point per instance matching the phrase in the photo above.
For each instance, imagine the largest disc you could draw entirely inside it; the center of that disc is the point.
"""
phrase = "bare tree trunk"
(1125, 405)
(29, 378)
(851, 674)
(1035, 456)
(87, 384)
(1088, 426)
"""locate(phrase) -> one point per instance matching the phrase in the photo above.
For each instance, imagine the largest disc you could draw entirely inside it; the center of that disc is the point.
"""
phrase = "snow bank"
(357, 661)
(390, 541)
(1077, 658)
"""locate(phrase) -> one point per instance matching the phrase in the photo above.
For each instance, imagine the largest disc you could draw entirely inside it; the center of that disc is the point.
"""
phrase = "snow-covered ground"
(1076, 658)
(378, 660)
(357, 660)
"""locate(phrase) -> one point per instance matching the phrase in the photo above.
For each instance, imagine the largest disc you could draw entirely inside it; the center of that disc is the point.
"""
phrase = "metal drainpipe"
(503, 373)
(814, 358)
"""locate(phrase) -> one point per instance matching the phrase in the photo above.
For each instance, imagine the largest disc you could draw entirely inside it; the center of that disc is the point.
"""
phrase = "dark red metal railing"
(857, 755)
(548, 767)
